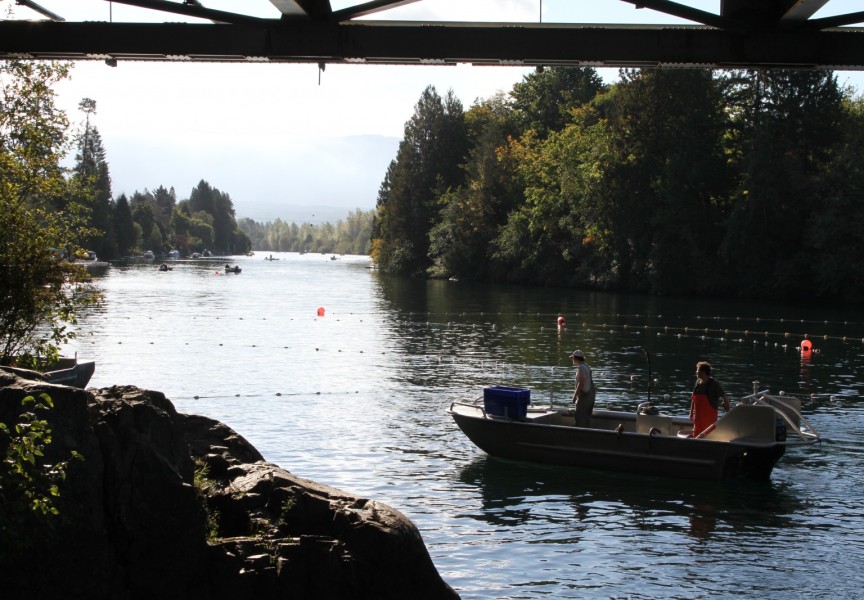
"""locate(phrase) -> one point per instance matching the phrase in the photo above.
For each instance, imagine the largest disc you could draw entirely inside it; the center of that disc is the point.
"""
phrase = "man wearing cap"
(584, 394)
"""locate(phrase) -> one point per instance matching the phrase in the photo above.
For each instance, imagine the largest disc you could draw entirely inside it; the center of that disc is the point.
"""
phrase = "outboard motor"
(648, 408)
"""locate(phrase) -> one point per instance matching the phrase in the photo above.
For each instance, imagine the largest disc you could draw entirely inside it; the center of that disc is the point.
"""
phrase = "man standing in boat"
(706, 399)
(584, 394)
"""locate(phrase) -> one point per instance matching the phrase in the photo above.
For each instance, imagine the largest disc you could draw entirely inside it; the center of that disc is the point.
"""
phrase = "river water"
(356, 398)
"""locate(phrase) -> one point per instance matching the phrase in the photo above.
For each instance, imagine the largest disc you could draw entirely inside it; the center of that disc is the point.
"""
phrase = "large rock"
(175, 506)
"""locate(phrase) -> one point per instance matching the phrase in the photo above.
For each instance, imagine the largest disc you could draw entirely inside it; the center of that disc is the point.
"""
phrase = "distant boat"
(149, 255)
(230, 269)
(270, 258)
(164, 267)
(92, 263)
(174, 254)
(333, 257)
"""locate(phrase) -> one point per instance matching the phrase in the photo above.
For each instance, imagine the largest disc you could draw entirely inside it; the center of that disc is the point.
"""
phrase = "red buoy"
(320, 311)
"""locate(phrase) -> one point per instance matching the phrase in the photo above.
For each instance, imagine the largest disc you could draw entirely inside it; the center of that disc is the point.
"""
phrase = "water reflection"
(357, 399)
(521, 494)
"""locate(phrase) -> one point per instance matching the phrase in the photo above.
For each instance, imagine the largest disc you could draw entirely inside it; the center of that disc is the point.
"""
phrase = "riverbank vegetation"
(42, 220)
(158, 221)
(351, 236)
(742, 184)
(737, 184)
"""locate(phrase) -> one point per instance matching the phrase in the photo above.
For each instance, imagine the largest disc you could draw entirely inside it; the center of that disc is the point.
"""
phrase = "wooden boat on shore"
(67, 370)
(746, 442)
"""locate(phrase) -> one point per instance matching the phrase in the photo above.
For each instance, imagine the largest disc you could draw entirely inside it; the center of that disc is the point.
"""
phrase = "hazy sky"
(269, 135)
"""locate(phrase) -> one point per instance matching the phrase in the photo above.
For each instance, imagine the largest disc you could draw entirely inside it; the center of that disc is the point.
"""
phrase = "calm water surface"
(357, 399)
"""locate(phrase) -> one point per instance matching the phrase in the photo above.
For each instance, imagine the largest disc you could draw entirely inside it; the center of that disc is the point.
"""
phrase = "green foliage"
(40, 220)
(427, 164)
(740, 184)
(203, 484)
(349, 236)
(288, 505)
(29, 485)
(544, 99)
(791, 128)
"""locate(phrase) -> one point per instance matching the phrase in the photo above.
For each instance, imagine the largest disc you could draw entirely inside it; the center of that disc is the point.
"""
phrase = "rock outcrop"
(174, 506)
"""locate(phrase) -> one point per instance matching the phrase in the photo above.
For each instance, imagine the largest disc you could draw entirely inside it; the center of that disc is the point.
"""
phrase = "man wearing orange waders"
(706, 399)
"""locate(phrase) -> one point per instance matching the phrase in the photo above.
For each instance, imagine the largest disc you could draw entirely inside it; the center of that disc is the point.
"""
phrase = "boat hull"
(75, 375)
(66, 371)
(615, 448)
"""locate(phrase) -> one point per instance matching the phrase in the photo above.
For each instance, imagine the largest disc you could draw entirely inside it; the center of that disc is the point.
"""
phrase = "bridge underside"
(780, 35)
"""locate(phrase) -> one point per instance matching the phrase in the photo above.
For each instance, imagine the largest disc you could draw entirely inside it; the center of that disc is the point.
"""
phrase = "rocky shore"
(173, 506)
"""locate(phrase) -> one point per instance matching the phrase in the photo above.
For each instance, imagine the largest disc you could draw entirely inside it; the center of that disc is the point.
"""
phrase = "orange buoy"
(320, 311)
(561, 321)
(806, 346)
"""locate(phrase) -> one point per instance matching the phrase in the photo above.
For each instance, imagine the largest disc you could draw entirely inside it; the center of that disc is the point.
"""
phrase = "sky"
(275, 139)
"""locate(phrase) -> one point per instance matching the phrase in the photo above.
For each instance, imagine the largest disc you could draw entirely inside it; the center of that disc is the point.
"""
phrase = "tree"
(124, 226)
(427, 164)
(664, 173)
(92, 168)
(834, 236)
(788, 128)
(543, 99)
(207, 199)
(471, 215)
(40, 221)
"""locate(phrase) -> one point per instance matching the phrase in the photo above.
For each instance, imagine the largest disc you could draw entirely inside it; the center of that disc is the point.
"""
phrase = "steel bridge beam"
(390, 42)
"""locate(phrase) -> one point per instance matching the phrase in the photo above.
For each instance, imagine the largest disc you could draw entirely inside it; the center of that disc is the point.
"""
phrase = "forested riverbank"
(737, 184)
(742, 184)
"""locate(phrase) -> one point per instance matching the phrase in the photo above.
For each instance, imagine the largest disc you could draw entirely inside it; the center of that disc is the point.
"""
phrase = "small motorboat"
(163, 267)
(234, 269)
(745, 443)
(67, 370)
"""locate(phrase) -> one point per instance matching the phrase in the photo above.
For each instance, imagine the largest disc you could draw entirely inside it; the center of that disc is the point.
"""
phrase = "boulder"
(172, 506)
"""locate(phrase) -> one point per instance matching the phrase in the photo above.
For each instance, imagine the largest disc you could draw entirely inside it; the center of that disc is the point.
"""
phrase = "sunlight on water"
(357, 399)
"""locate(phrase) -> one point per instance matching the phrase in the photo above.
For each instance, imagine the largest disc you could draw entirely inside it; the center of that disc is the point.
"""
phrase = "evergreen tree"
(543, 100)
(92, 168)
(471, 214)
(427, 164)
(207, 199)
(788, 127)
(834, 234)
(124, 226)
(665, 173)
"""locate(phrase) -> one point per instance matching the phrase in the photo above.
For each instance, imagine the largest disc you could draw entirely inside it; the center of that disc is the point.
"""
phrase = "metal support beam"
(191, 10)
(388, 42)
(40, 9)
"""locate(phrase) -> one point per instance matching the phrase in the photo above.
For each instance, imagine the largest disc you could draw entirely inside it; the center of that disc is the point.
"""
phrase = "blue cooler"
(502, 401)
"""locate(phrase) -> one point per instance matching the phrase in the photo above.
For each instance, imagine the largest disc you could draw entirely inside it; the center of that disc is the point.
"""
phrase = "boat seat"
(746, 421)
